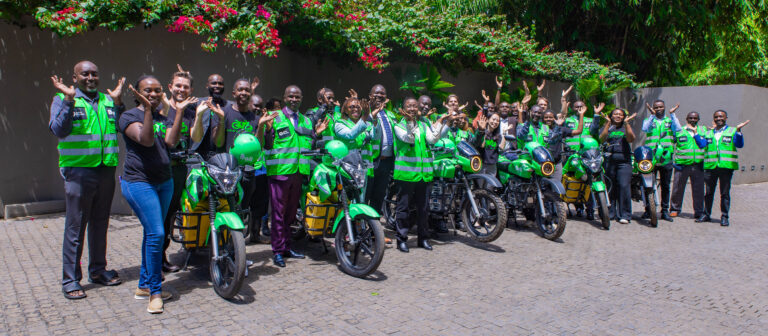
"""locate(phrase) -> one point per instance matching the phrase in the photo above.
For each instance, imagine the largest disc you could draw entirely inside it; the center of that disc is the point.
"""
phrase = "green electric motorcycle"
(525, 174)
(643, 183)
(583, 175)
(334, 208)
(213, 195)
(454, 192)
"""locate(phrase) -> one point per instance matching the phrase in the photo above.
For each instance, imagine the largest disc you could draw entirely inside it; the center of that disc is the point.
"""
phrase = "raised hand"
(672, 110)
(561, 119)
(739, 126)
(713, 125)
(567, 91)
(322, 126)
(352, 93)
(117, 93)
(606, 118)
(142, 100)
(499, 82)
(166, 105)
(462, 107)
(583, 109)
(178, 66)
(68, 91)
(481, 121)
(216, 109)
(406, 115)
(527, 97)
(180, 106)
(478, 106)
(648, 106)
(379, 108)
(432, 111)
(267, 119)
(628, 119)
(255, 83)
(485, 96)
(541, 87)
(599, 108)
(690, 128)
(203, 107)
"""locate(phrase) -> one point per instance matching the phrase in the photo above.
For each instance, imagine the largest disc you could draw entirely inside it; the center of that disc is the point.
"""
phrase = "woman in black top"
(488, 141)
(558, 132)
(618, 168)
(146, 182)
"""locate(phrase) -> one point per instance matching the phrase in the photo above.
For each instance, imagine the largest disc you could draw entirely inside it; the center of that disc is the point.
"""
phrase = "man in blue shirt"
(661, 130)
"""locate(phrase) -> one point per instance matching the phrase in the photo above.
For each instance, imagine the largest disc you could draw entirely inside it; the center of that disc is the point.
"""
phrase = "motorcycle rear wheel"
(228, 272)
(553, 226)
(363, 258)
(492, 221)
(650, 199)
(602, 208)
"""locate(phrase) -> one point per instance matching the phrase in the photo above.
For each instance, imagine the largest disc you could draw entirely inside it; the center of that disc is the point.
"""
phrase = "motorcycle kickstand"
(325, 247)
(453, 224)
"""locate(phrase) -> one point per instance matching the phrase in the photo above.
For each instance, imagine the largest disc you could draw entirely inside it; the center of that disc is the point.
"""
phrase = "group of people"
(396, 142)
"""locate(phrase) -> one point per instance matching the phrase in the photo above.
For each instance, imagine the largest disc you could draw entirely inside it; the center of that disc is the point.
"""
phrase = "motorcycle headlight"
(357, 173)
(645, 166)
(476, 163)
(594, 164)
(225, 179)
(547, 168)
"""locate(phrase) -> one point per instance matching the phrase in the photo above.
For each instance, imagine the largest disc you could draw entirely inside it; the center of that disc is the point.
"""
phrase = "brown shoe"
(155, 305)
(673, 214)
(143, 294)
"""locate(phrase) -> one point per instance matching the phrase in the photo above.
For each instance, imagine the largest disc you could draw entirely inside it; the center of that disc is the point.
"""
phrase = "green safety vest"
(572, 122)
(533, 135)
(459, 135)
(285, 156)
(686, 150)
(721, 154)
(661, 132)
(358, 143)
(376, 143)
(413, 162)
(93, 140)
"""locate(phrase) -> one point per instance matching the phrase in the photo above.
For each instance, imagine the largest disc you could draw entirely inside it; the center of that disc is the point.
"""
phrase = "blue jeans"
(150, 203)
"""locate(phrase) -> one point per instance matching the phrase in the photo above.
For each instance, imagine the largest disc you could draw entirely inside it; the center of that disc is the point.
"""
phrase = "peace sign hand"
(68, 91)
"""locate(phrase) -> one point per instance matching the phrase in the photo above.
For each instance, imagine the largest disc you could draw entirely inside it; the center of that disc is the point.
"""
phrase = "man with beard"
(285, 134)
(689, 162)
(203, 130)
(383, 149)
(84, 121)
(662, 130)
(239, 118)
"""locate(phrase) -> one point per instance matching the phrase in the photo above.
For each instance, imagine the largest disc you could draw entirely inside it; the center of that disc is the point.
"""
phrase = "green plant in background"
(594, 90)
(430, 84)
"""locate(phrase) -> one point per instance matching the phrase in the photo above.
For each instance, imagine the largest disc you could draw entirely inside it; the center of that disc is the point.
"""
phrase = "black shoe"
(724, 221)
(703, 218)
(170, 268)
(278, 260)
(665, 216)
(265, 230)
(424, 243)
(441, 228)
(402, 246)
(293, 254)
(645, 215)
(579, 212)
(590, 215)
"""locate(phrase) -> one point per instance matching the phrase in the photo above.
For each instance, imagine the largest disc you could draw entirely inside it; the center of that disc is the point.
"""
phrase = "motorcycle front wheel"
(602, 208)
(363, 258)
(551, 226)
(228, 272)
(650, 200)
(492, 220)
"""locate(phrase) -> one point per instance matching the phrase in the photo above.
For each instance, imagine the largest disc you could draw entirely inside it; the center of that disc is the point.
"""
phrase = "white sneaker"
(623, 221)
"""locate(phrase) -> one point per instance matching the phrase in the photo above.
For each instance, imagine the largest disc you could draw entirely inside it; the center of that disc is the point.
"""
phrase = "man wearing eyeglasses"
(688, 163)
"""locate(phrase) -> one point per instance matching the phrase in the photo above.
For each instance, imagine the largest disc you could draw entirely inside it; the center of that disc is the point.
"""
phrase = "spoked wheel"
(602, 208)
(364, 257)
(552, 225)
(228, 271)
(492, 220)
(650, 200)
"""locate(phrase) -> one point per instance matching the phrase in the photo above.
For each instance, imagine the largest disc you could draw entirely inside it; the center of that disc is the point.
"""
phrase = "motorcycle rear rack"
(326, 220)
(179, 220)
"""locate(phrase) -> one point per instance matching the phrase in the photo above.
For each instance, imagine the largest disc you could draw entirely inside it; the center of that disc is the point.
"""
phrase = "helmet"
(246, 149)
(337, 149)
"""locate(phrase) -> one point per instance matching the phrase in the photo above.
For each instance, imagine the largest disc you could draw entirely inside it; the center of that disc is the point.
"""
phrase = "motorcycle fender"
(356, 210)
(489, 179)
(598, 186)
(229, 219)
(648, 180)
(557, 186)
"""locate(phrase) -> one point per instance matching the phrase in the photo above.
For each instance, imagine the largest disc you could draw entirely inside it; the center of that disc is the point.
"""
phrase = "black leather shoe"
(424, 243)
(441, 227)
(579, 212)
(724, 221)
(293, 254)
(170, 268)
(665, 216)
(265, 230)
(703, 218)
(402, 246)
(278, 260)
(590, 215)
(645, 215)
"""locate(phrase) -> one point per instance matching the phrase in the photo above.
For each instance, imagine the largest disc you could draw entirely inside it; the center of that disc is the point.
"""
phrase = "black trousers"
(256, 197)
(712, 176)
(620, 173)
(665, 177)
(696, 174)
(377, 185)
(179, 173)
(415, 194)
(88, 199)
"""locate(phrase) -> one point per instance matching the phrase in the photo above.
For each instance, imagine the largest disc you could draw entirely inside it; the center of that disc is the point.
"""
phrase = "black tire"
(366, 256)
(492, 221)
(388, 209)
(228, 272)
(553, 226)
(650, 197)
(602, 209)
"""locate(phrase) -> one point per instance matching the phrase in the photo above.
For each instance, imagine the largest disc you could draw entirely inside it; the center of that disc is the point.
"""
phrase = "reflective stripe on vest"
(722, 153)
(413, 162)
(661, 132)
(574, 142)
(93, 140)
(359, 143)
(534, 135)
(687, 152)
(285, 156)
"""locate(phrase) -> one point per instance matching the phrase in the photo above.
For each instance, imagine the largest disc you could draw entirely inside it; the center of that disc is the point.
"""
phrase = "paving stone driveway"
(680, 278)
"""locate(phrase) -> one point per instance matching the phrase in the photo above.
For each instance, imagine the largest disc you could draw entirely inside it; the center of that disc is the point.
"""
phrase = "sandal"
(107, 278)
(70, 295)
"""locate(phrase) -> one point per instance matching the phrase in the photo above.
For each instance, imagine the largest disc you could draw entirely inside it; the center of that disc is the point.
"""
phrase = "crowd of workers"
(396, 141)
